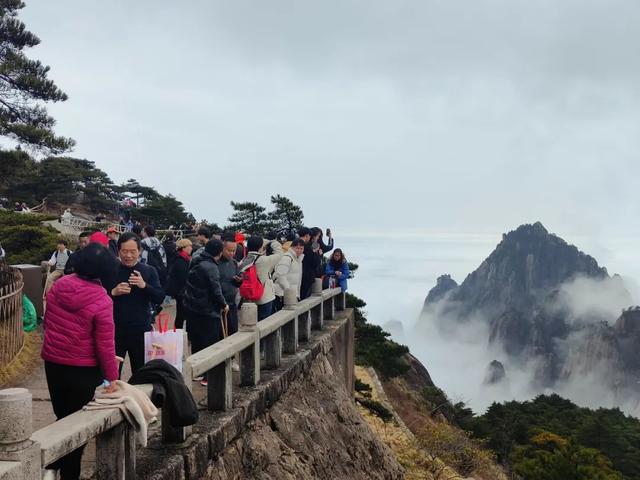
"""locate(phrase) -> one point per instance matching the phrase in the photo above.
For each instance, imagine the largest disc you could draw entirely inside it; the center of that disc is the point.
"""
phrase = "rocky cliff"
(547, 305)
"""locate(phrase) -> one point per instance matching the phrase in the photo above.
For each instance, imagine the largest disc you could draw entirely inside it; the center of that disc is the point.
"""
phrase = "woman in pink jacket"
(79, 349)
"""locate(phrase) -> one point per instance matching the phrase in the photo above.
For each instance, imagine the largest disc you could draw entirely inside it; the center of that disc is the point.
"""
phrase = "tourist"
(230, 279)
(2, 254)
(78, 347)
(112, 233)
(153, 253)
(338, 268)
(203, 298)
(83, 241)
(58, 259)
(241, 250)
(170, 249)
(178, 278)
(203, 236)
(288, 271)
(136, 288)
(312, 263)
(265, 265)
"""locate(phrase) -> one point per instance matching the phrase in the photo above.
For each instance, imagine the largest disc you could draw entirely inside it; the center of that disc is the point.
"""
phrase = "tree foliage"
(25, 87)
(163, 211)
(555, 433)
(373, 346)
(25, 239)
(285, 215)
(249, 217)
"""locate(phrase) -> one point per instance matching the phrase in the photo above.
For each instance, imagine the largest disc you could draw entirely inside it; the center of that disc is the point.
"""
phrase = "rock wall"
(300, 422)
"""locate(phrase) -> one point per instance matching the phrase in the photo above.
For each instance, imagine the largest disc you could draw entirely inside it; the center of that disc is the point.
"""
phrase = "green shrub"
(361, 386)
(376, 408)
(25, 239)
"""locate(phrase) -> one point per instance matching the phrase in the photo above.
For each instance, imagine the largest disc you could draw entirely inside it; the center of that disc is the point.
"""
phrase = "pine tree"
(24, 87)
(286, 215)
(249, 217)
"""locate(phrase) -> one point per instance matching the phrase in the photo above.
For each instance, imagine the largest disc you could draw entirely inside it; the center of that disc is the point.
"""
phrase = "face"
(306, 238)
(129, 253)
(83, 242)
(61, 247)
(298, 250)
(188, 249)
(112, 235)
(202, 239)
(337, 256)
(229, 250)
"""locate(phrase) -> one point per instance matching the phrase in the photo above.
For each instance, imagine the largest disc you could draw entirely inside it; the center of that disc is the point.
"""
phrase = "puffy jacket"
(178, 277)
(78, 326)
(265, 265)
(203, 293)
(228, 270)
(344, 268)
(288, 273)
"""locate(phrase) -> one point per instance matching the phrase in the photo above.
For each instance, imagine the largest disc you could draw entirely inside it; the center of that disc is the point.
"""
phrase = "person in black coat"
(178, 277)
(136, 288)
(203, 298)
(314, 248)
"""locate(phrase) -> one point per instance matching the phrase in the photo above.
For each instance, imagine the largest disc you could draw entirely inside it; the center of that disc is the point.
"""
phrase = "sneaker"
(198, 379)
(235, 367)
(204, 383)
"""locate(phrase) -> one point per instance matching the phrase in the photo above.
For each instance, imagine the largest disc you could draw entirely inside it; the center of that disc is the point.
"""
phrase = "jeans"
(265, 310)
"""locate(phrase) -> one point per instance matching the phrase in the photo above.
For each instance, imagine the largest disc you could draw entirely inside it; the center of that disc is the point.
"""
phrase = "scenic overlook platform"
(316, 333)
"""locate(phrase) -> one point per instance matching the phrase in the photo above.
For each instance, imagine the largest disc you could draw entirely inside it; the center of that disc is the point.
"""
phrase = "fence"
(23, 454)
(81, 224)
(11, 333)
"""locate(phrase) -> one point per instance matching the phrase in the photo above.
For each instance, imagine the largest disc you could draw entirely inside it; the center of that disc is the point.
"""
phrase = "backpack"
(154, 258)
(251, 288)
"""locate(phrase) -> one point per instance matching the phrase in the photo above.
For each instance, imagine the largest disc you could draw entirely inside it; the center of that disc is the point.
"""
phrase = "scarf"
(184, 255)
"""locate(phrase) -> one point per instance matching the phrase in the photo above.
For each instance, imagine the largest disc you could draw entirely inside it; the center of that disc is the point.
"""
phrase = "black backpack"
(154, 258)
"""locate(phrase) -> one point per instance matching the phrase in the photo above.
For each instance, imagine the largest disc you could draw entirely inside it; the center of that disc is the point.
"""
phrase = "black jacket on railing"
(203, 293)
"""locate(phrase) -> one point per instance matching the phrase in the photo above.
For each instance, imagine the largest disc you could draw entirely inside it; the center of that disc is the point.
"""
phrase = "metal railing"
(22, 451)
(11, 332)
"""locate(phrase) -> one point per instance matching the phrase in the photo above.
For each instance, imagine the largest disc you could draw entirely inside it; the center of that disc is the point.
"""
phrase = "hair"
(94, 261)
(62, 241)
(315, 231)
(85, 234)
(125, 237)
(149, 230)
(342, 258)
(170, 237)
(302, 231)
(137, 229)
(205, 232)
(213, 247)
(183, 243)
(298, 242)
(254, 244)
(228, 236)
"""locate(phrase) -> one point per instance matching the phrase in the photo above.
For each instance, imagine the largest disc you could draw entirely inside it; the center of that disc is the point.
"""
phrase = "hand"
(112, 387)
(136, 280)
(226, 309)
(121, 289)
(338, 274)
(238, 278)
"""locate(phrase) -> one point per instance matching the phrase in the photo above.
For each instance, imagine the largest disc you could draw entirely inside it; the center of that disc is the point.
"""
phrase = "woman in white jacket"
(288, 272)
(265, 265)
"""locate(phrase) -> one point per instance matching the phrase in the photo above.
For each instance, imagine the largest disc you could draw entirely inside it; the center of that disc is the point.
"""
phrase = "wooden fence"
(11, 333)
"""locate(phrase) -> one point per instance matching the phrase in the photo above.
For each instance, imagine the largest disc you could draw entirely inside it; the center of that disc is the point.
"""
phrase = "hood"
(74, 293)
(152, 242)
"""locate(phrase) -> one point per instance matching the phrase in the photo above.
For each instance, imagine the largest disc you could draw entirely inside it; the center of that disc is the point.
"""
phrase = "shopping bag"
(164, 344)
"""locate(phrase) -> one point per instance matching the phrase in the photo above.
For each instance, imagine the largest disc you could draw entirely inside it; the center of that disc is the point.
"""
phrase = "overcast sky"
(470, 116)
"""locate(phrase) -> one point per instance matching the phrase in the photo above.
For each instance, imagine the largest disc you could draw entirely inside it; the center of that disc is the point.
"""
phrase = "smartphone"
(328, 232)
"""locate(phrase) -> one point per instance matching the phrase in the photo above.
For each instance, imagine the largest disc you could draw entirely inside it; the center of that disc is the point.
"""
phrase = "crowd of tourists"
(101, 298)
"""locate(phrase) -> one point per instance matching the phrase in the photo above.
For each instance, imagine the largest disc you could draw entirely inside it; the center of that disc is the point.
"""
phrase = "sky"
(429, 116)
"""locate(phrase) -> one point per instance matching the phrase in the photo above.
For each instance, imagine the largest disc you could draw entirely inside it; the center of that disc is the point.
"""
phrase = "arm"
(103, 335)
(276, 246)
(281, 271)
(345, 270)
(326, 248)
(216, 289)
(52, 260)
(153, 289)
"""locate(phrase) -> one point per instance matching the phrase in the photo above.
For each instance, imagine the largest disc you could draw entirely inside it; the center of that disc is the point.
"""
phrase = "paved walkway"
(43, 412)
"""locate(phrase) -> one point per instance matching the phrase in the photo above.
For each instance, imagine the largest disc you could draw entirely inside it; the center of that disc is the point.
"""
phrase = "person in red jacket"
(79, 346)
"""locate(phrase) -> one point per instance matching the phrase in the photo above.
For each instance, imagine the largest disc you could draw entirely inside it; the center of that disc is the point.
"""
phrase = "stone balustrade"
(23, 454)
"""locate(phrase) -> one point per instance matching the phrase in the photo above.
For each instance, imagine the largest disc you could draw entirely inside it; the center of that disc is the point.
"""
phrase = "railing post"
(15, 430)
(250, 356)
(341, 301)
(219, 387)
(116, 453)
(290, 330)
(304, 326)
(329, 309)
(273, 349)
(317, 316)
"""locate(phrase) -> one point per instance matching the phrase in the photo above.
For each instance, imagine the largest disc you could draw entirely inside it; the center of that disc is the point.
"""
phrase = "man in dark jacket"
(230, 279)
(136, 289)
(112, 233)
(203, 299)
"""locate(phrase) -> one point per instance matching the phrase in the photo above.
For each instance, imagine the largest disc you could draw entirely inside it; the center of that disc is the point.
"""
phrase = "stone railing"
(24, 454)
(11, 332)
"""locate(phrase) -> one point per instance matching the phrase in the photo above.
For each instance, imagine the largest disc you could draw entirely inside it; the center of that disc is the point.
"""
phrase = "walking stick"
(225, 324)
